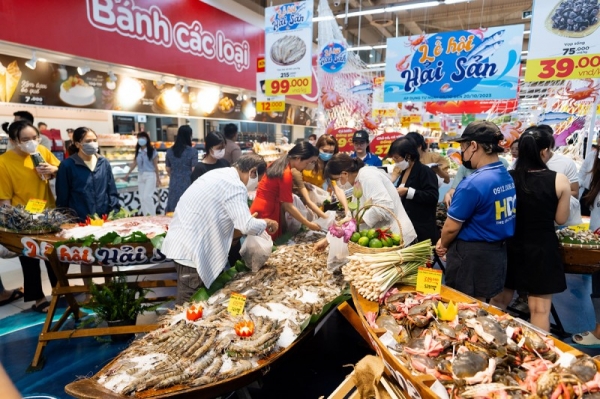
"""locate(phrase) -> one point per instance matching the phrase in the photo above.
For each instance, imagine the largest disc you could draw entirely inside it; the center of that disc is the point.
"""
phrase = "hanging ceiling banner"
(461, 65)
(563, 41)
(288, 48)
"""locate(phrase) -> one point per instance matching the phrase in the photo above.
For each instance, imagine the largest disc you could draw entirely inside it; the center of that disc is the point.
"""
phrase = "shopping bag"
(338, 252)
(256, 250)
(324, 223)
(317, 194)
(6, 254)
(574, 212)
(292, 225)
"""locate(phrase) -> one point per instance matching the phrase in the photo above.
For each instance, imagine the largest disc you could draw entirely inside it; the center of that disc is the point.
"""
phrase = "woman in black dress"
(534, 262)
(417, 187)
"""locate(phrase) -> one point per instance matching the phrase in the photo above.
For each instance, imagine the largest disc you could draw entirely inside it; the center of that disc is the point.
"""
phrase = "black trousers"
(32, 279)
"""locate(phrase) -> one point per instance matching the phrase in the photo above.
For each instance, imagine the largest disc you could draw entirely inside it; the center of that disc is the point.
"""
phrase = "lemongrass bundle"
(374, 274)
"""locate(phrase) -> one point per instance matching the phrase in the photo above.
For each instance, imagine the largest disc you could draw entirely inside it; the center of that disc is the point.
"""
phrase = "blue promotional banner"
(480, 64)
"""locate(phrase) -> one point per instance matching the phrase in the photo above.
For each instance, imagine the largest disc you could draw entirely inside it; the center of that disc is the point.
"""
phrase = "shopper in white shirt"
(585, 177)
(201, 232)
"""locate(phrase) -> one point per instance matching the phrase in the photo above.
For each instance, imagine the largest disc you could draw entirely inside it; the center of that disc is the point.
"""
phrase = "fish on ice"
(365, 88)
(552, 118)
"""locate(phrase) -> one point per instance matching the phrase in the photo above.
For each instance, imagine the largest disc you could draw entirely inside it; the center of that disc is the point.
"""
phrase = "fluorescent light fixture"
(327, 18)
(524, 52)
(526, 32)
(456, 1)
(358, 48)
(82, 70)
(379, 46)
(412, 6)
(362, 12)
(32, 63)
(376, 65)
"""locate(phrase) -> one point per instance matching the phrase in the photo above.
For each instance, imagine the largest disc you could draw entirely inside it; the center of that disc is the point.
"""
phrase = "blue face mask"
(142, 142)
(325, 156)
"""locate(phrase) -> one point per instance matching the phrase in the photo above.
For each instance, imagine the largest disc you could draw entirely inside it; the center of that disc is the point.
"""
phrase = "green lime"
(364, 233)
(364, 241)
(396, 239)
(355, 237)
(375, 243)
(372, 233)
(388, 242)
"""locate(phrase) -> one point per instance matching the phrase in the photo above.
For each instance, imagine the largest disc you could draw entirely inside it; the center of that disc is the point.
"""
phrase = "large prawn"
(479, 32)
(403, 64)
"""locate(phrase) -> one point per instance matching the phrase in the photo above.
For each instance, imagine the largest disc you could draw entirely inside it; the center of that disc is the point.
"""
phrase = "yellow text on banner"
(35, 205)
(270, 106)
(288, 86)
(429, 281)
(236, 304)
(563, 68)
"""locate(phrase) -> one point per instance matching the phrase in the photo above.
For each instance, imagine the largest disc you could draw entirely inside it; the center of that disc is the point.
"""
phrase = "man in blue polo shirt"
(362, 150)
(481, 216)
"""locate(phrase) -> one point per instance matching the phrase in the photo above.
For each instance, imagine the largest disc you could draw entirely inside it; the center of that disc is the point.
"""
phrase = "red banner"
(470, 107)
(185, 38)
(380, 145)
(344, 138)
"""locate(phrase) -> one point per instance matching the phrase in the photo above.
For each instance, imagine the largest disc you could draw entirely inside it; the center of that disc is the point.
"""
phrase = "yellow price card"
(429, 281)
(35, 205)
(237, 302)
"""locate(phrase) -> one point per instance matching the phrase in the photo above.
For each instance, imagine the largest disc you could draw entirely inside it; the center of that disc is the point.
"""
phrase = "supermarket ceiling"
(373, 30)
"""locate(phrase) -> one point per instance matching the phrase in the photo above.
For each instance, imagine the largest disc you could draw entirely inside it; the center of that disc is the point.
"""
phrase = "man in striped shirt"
(201, 232)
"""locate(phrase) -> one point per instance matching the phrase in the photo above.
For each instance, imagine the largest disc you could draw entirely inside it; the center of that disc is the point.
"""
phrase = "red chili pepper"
(194, 312)
(105, 217)
(244, 328)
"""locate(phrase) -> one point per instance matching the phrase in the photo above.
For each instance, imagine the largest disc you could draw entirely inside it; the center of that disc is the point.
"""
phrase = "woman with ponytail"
(274, 191)
(534, 263)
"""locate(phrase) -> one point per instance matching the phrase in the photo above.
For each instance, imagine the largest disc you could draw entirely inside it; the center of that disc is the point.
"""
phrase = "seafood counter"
(203, 344)
(466, 349)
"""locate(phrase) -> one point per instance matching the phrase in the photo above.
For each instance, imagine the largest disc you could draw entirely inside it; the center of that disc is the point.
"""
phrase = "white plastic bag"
(317, 194)
(256, 250)
(293, 226)
(6, 254)
(574, 212)
(326, 222)
(338, 252)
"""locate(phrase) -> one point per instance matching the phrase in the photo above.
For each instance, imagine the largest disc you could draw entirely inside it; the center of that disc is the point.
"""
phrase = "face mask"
(311, 142)
(402, 165)
(218, 154)
(142, 142)
(29, 146)
(466, 164)
(325, 156)
(89, 148)
(252, 182)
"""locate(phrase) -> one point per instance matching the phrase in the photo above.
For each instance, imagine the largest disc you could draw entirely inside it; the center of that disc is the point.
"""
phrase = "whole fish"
(484, 53)
(552, 118)
(488, 40)
(561, 138)
(365, 88)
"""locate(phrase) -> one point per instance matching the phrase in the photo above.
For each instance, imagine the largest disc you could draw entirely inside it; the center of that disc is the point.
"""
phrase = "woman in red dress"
(274, 191)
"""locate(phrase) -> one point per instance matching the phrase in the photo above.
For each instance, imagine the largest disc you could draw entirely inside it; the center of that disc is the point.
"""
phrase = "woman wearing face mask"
(146, 160)
(417, 188)
(215, 151)
(21, 181)
(274, 191)
(85, 182)
(180, 162)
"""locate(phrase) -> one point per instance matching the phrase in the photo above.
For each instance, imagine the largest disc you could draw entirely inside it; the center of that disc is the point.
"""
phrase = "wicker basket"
(354, 248)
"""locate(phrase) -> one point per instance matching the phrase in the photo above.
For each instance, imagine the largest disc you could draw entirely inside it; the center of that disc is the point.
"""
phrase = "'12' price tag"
(237, 302)
(35, 205)
(429, 281)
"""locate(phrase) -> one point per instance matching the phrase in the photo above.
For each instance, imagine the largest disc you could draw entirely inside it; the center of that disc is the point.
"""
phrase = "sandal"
(586, 339)
(41, 308)
(16, 294)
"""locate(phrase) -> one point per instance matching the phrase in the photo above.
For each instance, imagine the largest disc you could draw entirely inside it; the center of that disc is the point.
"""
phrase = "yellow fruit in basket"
(372, 233)
(396, 238)
(364, 241)
(375, 243)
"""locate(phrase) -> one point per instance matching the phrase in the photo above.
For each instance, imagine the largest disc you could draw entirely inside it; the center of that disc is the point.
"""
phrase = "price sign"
(415, 119)
(284, 87)
(576, 67)
(380, 145)
(384, 113)
(237, 302)
(35, 205)
(344, 136)
(270, 106)
(432, 125)
(429, 281)
(39, 100)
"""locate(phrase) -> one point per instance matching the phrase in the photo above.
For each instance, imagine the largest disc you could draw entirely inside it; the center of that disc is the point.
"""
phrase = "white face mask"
(252, 182)
(89, 148)
(29, 146)
(218, 154)
(312, 142)
(402, 165)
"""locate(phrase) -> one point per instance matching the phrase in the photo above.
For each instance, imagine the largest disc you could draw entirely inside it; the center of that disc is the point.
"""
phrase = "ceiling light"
(456, 1)
(32, 63)
(82, 70)
(362, 12)
(526, 32)
(524, 52)
(379, 46)
(357, 82)
(358, 48)
(111, 76)
(327, 18)
(160, 81)
(376, 65)
(411, 6)
(186, 88)
(239, 97)
(177, 86)
(244, 97)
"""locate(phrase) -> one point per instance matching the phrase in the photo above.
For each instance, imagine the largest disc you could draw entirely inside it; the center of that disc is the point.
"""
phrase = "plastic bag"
(338, 252)
(326, 222)
(256, 250)
(317, 194)
(6, 254)
(574, 212)
(292, 225)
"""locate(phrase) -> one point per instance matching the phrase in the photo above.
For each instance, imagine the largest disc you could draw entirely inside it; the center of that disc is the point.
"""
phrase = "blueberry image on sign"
(333, 57)
(451, 63)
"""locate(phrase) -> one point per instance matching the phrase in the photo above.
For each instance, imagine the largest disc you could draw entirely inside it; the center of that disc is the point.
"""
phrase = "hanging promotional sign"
(380, 145)
(333, 56)
(382, 109)
(461, 65)
(344, 136)
(563, 41)
(266, 103)
(288, 46)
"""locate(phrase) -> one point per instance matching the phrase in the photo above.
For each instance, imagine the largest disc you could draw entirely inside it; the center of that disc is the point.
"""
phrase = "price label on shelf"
(270, 106)
(429, 281)
(573, 67)
(284, 87)
(237, 302)
(35, 205)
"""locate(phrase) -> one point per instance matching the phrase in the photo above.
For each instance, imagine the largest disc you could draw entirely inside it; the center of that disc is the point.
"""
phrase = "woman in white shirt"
(146, 160)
